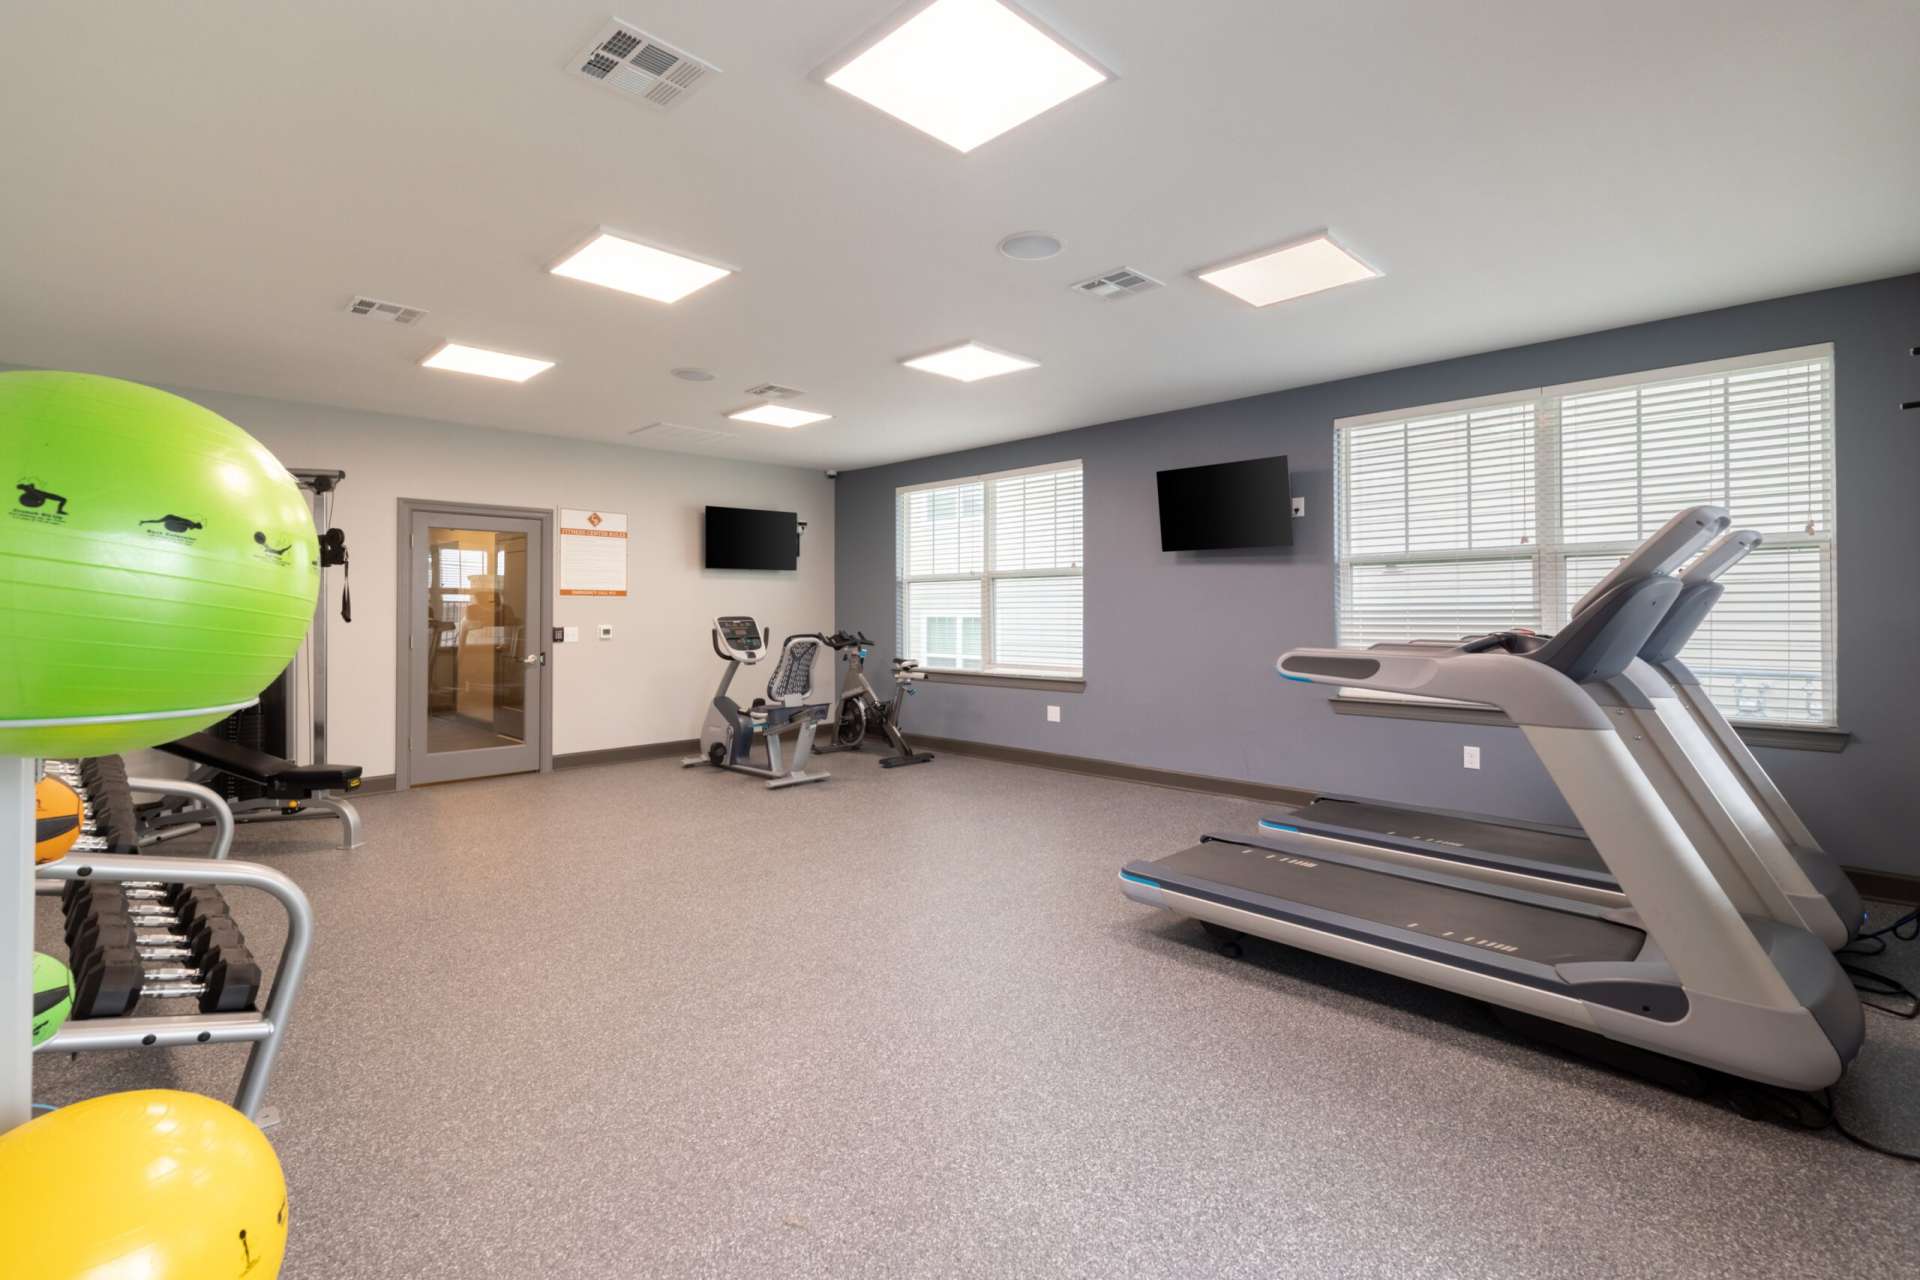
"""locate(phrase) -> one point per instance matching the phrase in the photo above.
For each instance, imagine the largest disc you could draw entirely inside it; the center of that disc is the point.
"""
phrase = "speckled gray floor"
(634, 1021)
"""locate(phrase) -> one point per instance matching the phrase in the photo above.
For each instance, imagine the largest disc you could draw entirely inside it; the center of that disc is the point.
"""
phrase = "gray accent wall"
(1180, 647)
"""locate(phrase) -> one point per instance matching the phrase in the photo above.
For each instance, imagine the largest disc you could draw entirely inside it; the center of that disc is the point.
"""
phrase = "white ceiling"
(192, 193)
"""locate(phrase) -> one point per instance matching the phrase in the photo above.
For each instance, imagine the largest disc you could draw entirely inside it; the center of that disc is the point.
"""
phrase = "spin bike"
(727, 737)
(856, 710)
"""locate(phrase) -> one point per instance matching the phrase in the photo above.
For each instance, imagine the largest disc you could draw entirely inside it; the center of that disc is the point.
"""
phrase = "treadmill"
(1681, 972)
(1720, 794)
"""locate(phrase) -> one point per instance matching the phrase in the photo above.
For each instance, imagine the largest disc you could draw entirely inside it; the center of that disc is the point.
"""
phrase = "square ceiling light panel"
(970, 362)
(458, 358)
(616, 262)
(966, 71)
(1295, 270)
(778, 415)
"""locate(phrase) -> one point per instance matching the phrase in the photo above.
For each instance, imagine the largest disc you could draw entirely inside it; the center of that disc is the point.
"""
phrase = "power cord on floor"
(1906, 929)
(1869, 983)
(1833, 1118)
(1813, 1113)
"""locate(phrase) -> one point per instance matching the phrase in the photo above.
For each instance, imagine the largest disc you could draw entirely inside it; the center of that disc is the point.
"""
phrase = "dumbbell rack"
(18, 887)
(265, 1029)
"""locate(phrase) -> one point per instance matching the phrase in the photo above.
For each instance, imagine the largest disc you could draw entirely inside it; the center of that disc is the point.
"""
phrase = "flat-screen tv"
(1226, 505)
(742, 538)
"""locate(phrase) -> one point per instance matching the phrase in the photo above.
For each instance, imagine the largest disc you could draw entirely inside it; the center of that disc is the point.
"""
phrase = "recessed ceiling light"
(1030, 246)
(690, 374)
(778, 415)
(457, 358)
(631, 267)
(966, 71)
(970, 362)
(1291, 271)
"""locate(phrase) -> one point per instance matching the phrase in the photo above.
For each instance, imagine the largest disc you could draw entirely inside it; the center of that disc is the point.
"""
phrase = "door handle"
(535, 660)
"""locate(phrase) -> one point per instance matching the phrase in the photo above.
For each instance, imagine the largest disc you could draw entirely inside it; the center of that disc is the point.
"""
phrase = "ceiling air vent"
(1121, 282)
(774, 391)
(385, 310)
(672, 435)
(637, 65)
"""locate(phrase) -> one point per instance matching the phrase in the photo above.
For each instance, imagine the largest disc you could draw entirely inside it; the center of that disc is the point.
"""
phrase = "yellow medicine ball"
(56, 819)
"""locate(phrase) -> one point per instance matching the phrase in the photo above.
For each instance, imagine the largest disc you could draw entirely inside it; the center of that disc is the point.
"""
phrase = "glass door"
(477, 647)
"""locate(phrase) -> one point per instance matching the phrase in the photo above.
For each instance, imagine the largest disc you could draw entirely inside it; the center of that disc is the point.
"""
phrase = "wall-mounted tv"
(1226, 505)
(742, 538)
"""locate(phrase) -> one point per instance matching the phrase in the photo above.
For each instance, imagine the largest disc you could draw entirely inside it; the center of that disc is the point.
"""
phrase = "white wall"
(652, 681)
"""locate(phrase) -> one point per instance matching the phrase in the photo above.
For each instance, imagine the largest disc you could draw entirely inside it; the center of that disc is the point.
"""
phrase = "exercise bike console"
(738, 639)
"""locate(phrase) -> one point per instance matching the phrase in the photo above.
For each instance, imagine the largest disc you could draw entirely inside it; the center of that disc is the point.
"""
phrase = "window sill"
(1784, 737)
(1008, 680)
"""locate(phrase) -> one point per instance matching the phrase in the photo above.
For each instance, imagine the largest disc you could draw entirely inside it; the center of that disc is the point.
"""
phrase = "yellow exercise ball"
(155, 1183)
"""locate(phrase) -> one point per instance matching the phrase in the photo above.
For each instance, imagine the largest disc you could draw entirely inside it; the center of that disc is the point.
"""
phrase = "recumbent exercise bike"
(727, 737)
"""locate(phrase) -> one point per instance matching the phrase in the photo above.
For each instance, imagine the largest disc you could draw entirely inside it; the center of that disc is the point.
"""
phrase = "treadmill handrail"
(1664, 552)
(1529, 692)
(1730, 550)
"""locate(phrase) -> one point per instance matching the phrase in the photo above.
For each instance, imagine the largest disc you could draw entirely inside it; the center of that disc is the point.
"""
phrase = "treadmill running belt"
(1519, 930)
(1463, 835)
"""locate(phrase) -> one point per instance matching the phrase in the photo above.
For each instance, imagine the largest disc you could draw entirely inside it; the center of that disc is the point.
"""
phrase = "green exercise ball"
(155, 560)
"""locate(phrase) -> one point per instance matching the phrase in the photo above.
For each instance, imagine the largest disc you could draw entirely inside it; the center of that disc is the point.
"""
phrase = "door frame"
(403, 621)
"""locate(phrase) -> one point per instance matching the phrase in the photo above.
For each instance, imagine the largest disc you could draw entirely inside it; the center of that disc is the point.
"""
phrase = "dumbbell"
(105, 932)
(103, 920)
(166, 903)
(142, 892)
(110, 981)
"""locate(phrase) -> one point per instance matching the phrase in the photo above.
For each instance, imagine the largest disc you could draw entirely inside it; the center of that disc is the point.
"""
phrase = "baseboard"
(1886, 886)
(1096, 768)
(626, 755)
(386, 782)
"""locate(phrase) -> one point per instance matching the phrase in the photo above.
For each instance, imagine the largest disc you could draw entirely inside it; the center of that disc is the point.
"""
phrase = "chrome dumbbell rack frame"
(19, 885)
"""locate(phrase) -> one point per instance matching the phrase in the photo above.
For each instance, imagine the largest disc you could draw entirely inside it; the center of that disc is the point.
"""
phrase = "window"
(989, 572)
(1502, 512)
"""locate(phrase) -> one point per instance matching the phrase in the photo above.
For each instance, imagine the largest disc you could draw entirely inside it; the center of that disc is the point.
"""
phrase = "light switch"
(606, 631)
(573, 635)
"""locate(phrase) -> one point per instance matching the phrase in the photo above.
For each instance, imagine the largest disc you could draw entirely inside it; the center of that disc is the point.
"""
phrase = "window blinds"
(1502, 513)
(990, 572)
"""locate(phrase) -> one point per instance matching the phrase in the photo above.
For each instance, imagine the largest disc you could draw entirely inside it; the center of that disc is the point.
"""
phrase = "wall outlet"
(573, 635)
(1053, 715)
(1470, 757)
(606, 631)
(1299, 508)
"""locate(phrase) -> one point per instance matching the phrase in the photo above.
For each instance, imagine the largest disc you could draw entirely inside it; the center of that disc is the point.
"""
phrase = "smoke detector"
(1121, 282)
(634, 64)
(378, 310)
(774, 391)
(1030, 246)
(674, 435)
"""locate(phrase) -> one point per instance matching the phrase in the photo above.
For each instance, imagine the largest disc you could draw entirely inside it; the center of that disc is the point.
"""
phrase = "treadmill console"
(737, 638)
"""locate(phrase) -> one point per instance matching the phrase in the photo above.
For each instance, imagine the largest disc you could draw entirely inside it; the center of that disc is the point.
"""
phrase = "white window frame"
(989, 574)
(1548, 549)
